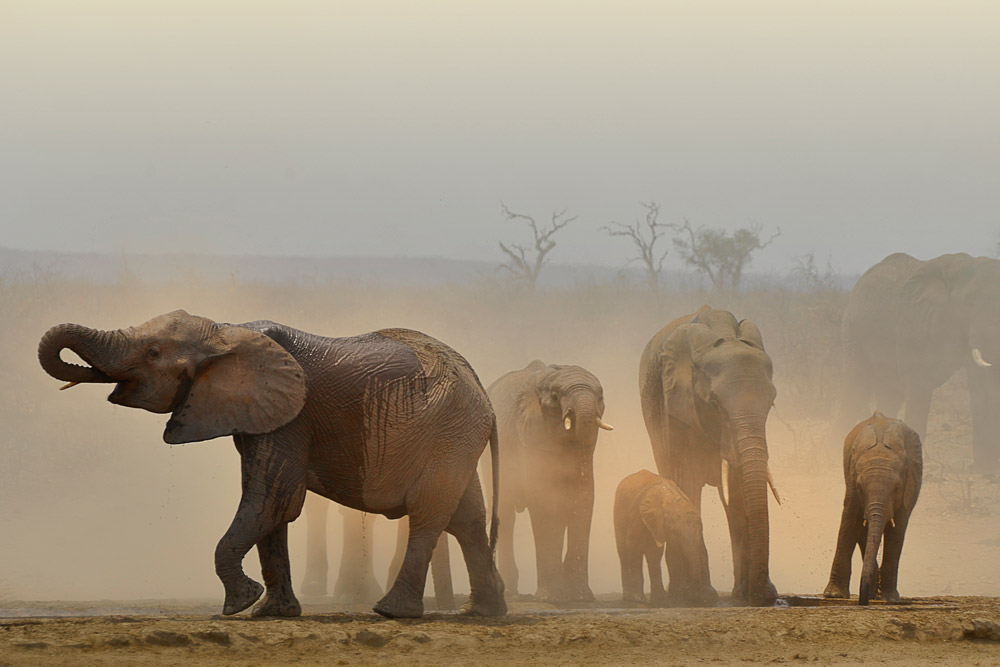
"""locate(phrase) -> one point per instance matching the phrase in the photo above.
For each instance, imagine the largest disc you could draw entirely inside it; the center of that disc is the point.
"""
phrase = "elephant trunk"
(103, 350)
(752, 448)
(580, 413)
(877, 516)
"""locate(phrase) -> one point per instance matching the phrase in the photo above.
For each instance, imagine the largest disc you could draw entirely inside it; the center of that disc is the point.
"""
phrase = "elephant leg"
(548, 529)
(405, 599)
(444, 593)
(984, 397)
(273, 496)
(630, 557)
(505, 548)
(654, 559)
(317, 568)
(850, 534)
(274, 566)
(468, 525)
(736, 518)
(356, 582)
(889, 570)
(402, 531)
(580, 513)
(918, 407)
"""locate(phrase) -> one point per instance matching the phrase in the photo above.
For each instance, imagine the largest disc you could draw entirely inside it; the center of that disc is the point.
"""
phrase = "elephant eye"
(153, 352)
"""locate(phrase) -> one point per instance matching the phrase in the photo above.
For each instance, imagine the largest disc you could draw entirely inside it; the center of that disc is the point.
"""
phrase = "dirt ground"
(927, 631)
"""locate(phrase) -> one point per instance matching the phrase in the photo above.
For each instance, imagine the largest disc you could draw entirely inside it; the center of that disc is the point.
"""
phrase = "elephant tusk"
(604, 425)
(68, 385)
(724, 487)
(774, 489)
(568, 424)
(977, 356)
(892, 522)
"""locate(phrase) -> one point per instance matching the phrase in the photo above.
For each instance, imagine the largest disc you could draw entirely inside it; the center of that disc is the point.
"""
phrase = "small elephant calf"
(651, 512)
(883, 469)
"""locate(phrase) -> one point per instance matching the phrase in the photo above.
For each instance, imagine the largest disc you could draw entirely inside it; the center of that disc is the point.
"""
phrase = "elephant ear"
(651, 513)
(680, 375)
(928, 292)
(914, 469)
(249, 384)
(748, 332)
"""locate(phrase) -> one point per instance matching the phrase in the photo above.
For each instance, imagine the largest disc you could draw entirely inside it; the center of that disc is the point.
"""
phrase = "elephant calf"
(651, 511)
(883, 468)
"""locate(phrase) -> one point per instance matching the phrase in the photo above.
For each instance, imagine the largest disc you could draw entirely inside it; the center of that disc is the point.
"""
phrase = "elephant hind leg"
(405, 598)
(468, 525)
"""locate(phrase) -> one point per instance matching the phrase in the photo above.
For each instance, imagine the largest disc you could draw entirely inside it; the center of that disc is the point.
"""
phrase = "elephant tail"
(495, 469)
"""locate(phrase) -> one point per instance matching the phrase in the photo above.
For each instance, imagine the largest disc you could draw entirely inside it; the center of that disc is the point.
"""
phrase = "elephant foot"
(364, 591)
(764, 598)
(889, 596)
(836, 590)
(314, 588)
(631, 597)
(705, 596)
(280, 605)
(241, 596)
(397, 605)
(494, 606)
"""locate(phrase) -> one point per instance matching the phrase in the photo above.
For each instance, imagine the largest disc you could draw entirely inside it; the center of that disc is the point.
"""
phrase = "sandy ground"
(927, 631)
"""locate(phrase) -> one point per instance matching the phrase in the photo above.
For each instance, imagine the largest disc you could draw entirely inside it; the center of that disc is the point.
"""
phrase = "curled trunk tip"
(88, 343)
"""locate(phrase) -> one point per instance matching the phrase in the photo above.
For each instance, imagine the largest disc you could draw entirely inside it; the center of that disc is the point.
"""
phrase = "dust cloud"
(93, 505)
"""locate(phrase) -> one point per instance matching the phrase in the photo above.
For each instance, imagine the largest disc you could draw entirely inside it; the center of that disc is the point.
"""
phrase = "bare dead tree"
(644, 234)
(721, 255)
(524, 264)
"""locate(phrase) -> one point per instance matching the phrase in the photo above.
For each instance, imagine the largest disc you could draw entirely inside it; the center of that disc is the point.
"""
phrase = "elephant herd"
(395, 422)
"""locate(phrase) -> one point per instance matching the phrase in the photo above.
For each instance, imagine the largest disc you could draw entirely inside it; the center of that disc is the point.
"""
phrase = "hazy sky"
(387, 128)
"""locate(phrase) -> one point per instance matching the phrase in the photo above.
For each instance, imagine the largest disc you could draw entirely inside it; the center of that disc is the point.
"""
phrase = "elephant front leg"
(889, 570)
(280, 600)
(272, 497)
(317, 568)
(840, 572)
(548, 532)
(654, 564)
(576, 564)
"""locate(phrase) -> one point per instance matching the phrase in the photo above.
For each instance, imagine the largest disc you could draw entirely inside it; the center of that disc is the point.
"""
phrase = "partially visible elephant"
(548, 419)
(391, 422)
(356, 582)
(705, 384)
(651, 512)
(909, 326)
(883, 470)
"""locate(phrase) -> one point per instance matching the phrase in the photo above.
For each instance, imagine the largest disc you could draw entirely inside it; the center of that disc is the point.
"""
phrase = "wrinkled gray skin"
(908, 326)
(356, 582)
(391, 422)
(705, 384)
(651, 512)
(883, 469)
(548, 470)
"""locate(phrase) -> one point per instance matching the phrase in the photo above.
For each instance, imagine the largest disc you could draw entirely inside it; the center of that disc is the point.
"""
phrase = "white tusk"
(977, 356)
(568, 424)
(68, 385)
(725, 482)
(892, 522)
(604, 425)
(774, 490)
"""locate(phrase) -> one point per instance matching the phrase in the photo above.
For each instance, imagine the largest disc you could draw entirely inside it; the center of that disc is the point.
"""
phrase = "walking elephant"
(883, 470)
(548, 418)
(356, 582)
(652, 515)
(909, 326)
(391, 422)
(705, 385)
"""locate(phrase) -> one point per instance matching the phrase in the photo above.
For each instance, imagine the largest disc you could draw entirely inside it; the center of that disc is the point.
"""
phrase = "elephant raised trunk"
(103, 350)
(753, 475)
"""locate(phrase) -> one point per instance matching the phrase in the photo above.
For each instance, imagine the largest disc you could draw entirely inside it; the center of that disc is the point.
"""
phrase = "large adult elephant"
(908, 326)
(356, 582)
(705, 384)
(391, 422)
(548, 419)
